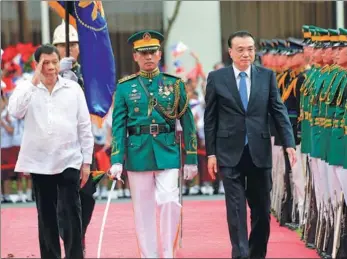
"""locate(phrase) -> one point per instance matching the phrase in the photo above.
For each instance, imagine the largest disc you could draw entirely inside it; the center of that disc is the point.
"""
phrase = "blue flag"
(98, 64)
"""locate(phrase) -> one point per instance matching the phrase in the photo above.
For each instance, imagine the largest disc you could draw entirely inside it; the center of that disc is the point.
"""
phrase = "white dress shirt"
(248, 78)
(57, 127)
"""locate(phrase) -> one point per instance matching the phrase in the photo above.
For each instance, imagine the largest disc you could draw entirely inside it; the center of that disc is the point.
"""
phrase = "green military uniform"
(317, 119)
(146, 107)
(325, 111)
(312, 74)
(305, 108)
(135, 112)
(334, 146)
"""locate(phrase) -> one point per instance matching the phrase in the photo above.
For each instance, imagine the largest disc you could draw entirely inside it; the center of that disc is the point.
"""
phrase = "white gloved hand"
(68, 74)
(66, 63)
(190, 171)
(116, 171)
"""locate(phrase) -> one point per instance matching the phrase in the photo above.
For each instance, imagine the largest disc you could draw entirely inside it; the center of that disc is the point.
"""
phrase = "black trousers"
(87, 206)
(64, 189)
(247, 182)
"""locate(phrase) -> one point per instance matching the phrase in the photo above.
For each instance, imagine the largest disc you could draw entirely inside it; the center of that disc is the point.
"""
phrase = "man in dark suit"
(239, 99)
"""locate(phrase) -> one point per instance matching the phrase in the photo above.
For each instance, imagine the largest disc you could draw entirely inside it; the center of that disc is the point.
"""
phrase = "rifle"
(338, 226)
(180, 185)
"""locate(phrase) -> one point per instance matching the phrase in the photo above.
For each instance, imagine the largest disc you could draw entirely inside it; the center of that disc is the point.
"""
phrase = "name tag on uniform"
(135, 96)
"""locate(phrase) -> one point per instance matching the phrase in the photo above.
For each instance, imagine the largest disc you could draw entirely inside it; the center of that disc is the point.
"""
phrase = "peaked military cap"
(334, 37)
(283, 47)
(314, 36)
(306, 34)
(324, 37)
(319, 36)
(271, 46)
(263, 47)
(146, 40)
(295, 46)
(343, 37)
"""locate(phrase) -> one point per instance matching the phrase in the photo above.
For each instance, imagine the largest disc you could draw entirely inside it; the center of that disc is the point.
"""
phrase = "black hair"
(241, 34)
(45, 49)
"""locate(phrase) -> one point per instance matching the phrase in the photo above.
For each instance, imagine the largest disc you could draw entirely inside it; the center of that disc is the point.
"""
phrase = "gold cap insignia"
(146, 36)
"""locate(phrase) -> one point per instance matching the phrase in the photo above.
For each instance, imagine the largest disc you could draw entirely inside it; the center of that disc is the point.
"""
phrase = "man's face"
(327, 55)
(317, 55)
(50, 66)
(147, 60)
(308, 50)
(242, 52)
(341, 56)
(74, 50)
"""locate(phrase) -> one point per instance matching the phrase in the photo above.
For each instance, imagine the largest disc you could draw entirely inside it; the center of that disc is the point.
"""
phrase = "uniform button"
(150, 80)
(153, 121)
(49, 132)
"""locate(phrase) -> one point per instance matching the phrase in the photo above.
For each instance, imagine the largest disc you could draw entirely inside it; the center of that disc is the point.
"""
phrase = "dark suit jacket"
(226, 120)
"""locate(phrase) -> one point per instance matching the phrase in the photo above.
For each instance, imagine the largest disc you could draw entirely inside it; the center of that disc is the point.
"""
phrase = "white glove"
(116, 171)
(190, 171)
(68, 74)
(66, 63)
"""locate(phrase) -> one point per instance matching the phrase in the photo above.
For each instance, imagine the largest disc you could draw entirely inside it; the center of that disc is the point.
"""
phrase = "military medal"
(171, 88)
(135, 96)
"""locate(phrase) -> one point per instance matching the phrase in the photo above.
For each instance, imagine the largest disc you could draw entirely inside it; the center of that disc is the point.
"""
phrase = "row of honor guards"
(312, 80)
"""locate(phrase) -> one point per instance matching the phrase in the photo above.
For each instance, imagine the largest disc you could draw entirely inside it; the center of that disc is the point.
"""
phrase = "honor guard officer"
(147, 105)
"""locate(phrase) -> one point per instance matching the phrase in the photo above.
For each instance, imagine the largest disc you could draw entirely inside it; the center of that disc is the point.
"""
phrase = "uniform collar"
(152, 74)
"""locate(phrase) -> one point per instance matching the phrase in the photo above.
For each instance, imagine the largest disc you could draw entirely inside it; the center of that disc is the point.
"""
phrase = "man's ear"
(135, 56)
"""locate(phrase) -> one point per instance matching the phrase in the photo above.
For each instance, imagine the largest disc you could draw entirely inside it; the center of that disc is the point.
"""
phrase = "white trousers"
(150, 190)
(341, 174)
(299, 179)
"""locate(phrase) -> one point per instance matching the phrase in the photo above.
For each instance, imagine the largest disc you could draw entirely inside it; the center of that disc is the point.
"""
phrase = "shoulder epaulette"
(126, 78)
(167, 74)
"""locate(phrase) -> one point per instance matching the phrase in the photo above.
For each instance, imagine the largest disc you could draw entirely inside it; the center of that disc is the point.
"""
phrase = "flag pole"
(67, 23)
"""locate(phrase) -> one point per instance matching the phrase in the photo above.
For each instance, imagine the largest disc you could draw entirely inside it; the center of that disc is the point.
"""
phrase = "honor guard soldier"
(340, 126)
(316, 165)
(283, 194)
(332, 101)
(326, 112)
(147, 105)
(311, 76)
(71, 69)
(291, 99)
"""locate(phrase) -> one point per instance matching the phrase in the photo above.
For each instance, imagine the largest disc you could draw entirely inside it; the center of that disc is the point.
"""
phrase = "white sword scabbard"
(105, 216)
(180, 191)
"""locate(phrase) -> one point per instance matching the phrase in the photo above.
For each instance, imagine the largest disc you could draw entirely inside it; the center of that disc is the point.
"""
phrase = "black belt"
(153, 129)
